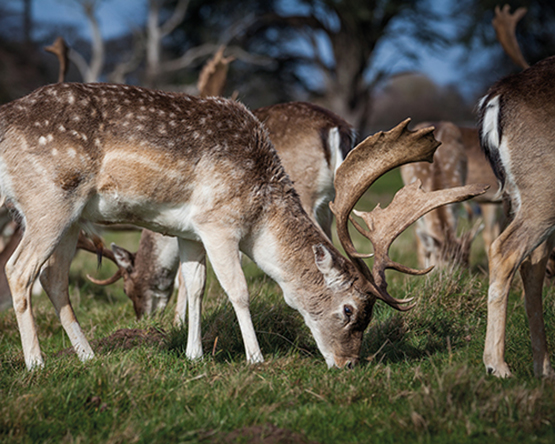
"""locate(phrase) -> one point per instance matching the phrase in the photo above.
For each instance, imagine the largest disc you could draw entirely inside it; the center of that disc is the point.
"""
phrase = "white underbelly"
(173, 221)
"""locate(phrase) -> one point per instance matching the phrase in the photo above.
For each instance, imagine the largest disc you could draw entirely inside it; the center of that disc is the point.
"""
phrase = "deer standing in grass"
(517, 120)
(205, 171)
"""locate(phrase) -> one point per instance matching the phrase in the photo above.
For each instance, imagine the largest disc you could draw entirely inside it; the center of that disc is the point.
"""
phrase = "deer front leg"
(532, 271)
(224, 255)
(55, 279)
(191, 289)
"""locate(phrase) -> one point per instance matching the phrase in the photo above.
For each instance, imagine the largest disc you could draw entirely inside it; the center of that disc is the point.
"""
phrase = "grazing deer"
(311, 143)
(437, 240)
(205, 171)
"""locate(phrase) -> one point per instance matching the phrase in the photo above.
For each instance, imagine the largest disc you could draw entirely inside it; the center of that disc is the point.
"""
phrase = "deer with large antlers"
(205, 171)
(311, 143)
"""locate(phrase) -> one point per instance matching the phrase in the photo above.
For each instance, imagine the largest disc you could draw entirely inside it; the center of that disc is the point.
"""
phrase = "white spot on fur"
(42, 140)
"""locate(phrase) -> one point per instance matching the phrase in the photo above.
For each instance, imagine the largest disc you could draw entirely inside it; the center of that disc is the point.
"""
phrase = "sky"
(118, 16)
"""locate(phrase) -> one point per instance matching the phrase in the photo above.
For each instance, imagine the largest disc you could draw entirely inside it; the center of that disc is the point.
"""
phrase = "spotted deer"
(203, 170)
(436, 232)
(311, 143)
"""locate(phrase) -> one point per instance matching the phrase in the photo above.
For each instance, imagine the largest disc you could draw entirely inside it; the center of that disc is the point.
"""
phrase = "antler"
(372, 158)
(409, 204)
(504, 24)
(213, 76)
(61, 50)
(96, 246)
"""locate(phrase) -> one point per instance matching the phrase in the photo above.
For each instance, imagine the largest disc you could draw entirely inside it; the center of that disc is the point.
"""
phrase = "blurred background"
(374, 62)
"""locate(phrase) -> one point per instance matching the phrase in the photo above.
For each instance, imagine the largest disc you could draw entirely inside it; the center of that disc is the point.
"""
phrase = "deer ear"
(125, 259)
(324, 262)
(323, 258)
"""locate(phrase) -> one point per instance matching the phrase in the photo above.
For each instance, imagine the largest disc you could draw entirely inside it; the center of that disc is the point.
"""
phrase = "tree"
(338, 67)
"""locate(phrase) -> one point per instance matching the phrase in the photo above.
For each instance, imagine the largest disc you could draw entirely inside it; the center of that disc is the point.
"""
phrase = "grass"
(421, 378)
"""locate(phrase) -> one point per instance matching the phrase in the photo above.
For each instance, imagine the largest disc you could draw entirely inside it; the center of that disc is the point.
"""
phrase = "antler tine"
(409, 204)
(61, 50)
(213, 76)
(504, 24)
(97, 247)
(370, 159)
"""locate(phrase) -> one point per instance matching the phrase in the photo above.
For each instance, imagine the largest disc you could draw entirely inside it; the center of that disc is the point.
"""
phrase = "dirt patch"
(261, 434)
(124, 339)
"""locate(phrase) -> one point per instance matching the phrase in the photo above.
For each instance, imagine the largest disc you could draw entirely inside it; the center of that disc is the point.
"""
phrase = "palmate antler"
(372, 158)
(504, 24)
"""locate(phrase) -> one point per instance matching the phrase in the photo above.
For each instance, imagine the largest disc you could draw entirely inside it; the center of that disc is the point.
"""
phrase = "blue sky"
(118, 16)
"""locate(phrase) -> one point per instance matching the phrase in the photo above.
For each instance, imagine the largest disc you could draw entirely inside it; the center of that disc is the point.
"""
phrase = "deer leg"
(224, 255)
(191, 289)
(22, 269)
(54, 278)
(491, 224)
(505, 256)
(532, 271)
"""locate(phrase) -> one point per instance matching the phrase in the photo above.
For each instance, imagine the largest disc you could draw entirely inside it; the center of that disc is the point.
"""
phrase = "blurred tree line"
(325, 51)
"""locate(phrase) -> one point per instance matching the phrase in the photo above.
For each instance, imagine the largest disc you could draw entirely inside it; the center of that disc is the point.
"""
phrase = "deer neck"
(282, 248)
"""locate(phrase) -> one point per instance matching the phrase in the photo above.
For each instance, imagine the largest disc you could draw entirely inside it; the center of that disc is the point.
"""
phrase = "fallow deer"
(459, 160)
(437, 240)
(517, 117)
(203, 170)
(311, 143)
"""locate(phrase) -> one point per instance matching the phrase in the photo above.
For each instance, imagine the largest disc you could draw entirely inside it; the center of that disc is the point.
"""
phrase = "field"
(421, 378)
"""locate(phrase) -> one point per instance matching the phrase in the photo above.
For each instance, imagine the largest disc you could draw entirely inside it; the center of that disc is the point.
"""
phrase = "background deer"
(311, 143)
(437, 240)
(203, 170)
(457, 161)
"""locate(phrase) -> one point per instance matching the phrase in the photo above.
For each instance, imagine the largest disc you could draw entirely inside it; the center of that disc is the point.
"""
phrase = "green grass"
(421, 377)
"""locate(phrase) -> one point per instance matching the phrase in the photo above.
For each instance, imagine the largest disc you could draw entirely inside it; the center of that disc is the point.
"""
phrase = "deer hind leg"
(38, 243)
(532, 271)
(54, 278)
(505, 256)
(191, 289)
(223, 253)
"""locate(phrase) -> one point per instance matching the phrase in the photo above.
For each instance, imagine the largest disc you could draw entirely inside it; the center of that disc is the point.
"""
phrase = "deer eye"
(348, 310)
